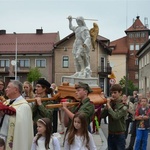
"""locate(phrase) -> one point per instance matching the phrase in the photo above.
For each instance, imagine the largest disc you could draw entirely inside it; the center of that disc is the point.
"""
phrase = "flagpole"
(16, 61)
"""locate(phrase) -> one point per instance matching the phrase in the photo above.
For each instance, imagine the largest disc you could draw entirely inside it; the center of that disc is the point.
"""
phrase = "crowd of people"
(31, 126)
(127, 115)
(138, 119)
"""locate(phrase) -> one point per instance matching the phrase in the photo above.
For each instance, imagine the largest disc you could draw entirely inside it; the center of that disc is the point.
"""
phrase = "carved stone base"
(72, 80)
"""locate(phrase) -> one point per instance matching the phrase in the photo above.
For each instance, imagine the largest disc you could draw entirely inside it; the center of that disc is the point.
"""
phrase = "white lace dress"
(53, 144)
(78, 144)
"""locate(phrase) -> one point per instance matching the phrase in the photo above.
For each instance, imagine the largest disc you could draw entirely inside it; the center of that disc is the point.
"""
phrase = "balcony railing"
(4, 69)
(104, 69)
(23, 69)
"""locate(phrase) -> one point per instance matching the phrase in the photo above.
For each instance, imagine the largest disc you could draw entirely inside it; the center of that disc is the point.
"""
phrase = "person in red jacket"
(142, 116)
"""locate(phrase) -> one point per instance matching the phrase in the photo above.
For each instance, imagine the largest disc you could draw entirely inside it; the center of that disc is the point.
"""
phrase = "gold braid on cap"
(40, 120)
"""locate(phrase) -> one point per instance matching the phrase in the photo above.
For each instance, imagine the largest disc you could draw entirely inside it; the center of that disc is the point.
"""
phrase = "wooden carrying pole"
(55, 97)
(61, 105)
(102, 101)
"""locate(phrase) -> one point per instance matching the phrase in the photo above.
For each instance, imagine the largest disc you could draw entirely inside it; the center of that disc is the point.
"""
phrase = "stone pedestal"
(92, 82)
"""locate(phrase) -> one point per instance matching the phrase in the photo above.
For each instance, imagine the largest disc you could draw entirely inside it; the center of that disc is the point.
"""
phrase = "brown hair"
(145, 99)
(116, 87)
(47, 123)
(2, 142)
(48, 90)
(72, 130)
(2, 93)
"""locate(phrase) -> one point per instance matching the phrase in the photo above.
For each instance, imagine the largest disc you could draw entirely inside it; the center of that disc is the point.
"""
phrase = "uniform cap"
(44, 82)
(84, 86)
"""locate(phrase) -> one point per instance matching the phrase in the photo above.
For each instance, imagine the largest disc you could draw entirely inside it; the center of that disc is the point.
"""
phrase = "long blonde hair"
(31, 94)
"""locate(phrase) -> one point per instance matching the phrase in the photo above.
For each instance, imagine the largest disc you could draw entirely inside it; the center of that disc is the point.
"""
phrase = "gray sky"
(114, 16)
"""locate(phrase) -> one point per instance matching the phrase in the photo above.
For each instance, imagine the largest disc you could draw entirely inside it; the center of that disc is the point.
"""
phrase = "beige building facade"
(64, 61)
(31, 50)
(118, 64)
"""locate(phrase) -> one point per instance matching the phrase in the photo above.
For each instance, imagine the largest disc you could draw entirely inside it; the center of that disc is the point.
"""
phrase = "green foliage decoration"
(127, 85)
(34, 74)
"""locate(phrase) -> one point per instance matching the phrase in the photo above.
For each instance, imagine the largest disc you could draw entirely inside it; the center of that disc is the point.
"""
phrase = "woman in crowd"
(43, 90)
(27, 90)
(2, 89)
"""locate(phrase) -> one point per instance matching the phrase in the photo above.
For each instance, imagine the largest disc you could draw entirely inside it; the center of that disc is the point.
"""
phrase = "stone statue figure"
(94, 33)
(81, 48)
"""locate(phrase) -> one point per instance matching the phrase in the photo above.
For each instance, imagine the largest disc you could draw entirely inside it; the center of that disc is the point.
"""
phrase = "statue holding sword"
(81, 48)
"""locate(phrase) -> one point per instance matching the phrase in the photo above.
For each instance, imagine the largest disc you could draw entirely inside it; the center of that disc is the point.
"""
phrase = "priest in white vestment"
(17, 129)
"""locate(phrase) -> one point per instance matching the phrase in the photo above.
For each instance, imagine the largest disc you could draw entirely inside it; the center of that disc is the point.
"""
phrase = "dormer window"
(137, 47)
(137, 35)
(143, 34)
(131, 47)
(131, 35)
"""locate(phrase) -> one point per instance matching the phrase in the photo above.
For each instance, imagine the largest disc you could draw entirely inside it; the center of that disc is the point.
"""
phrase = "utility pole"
(16, 58)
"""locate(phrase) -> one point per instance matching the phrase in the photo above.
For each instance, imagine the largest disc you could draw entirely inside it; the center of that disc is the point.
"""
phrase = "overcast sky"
(114, 16)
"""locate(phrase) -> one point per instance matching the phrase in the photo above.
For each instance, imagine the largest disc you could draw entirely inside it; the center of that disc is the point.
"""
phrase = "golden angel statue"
(94, 33)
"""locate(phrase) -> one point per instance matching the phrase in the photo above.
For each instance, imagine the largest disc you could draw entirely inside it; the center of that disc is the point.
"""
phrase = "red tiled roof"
(28, 43)
(101, 38)
(64, 39)
(137, 26)
(120, 46)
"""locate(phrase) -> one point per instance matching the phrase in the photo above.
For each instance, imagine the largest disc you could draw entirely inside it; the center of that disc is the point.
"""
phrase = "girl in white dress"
(78, 137)
(44, 139)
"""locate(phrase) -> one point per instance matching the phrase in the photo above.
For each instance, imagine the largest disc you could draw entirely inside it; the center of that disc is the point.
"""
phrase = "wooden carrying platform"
(67, 91)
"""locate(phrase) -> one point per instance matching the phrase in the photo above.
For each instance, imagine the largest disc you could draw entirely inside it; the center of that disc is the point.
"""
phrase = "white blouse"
(78, 143)
(53, 144)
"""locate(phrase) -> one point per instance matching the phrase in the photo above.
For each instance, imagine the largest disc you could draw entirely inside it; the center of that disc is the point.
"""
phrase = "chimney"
(146, 22)
(138, 17)
(39, 31)
(2, 32)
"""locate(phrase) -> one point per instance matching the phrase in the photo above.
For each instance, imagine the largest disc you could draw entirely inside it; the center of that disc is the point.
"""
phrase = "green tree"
(34, 74)
(127, 85)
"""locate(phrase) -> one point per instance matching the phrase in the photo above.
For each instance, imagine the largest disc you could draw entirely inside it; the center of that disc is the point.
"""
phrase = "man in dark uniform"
(116, 112)
(85, 105)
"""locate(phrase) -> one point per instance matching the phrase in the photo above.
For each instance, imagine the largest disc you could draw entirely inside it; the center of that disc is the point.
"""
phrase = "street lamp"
(126, 79)
(16, 59)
